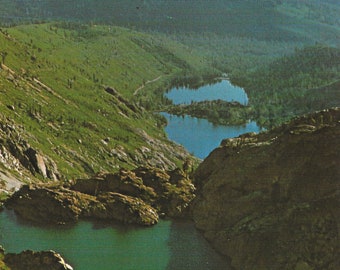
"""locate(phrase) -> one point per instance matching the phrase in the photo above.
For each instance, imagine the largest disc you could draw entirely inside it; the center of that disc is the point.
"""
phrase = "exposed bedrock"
(271, 201)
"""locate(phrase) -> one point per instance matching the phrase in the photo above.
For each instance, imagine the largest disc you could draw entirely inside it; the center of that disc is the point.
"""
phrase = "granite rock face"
(271, 201)
(16, 153)
(131, 197)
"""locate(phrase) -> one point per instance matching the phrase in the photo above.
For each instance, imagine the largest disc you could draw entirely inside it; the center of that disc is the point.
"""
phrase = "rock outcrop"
(49, 204)
(271, 201)
(57, 205)
(131, 197)
(30, 260)
(16, 154)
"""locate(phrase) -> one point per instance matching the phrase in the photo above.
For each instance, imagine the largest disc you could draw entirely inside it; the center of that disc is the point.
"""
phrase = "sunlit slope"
(53, 82)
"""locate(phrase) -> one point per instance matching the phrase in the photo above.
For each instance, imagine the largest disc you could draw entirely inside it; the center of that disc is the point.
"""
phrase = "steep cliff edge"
(271, 201)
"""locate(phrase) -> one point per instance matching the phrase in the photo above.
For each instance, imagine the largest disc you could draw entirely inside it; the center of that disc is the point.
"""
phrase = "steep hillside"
(69, 94)
(302, 82)
(270, 201)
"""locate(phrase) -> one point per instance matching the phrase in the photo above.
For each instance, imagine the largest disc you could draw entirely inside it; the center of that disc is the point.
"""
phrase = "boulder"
(56, 205)
(49, 204)
(271, 201)
(30, 260)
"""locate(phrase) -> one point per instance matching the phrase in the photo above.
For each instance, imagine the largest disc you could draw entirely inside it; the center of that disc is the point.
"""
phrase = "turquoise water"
(223, 90)
(101, 246)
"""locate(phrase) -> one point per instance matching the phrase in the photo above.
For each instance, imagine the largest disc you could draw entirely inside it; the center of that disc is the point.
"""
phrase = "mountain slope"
(67, 91)
(302, 82)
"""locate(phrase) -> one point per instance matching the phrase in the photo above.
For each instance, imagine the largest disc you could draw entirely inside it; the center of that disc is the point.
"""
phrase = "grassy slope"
(76, 65)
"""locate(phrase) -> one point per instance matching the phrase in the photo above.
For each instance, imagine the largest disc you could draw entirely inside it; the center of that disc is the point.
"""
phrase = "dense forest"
(305, 81)
(266, 19)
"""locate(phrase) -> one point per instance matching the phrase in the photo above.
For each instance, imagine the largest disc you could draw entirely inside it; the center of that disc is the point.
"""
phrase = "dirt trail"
(146, 83)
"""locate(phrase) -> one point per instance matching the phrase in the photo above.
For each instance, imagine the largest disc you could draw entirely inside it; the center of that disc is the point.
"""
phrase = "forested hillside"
(303, 82)
(267, 19)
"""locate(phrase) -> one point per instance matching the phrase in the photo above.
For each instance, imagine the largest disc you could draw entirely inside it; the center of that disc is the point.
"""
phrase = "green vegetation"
(3, 266)
(218, 112)
(54, 75)
(303, 82)
(53, 84)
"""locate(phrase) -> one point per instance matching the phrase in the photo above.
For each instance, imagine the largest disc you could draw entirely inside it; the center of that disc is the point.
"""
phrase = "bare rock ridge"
(131, 197)
(271, 201)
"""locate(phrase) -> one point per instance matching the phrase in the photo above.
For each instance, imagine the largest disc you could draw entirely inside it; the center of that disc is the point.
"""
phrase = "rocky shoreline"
(267, 201)
(140, 196)
(131, 197)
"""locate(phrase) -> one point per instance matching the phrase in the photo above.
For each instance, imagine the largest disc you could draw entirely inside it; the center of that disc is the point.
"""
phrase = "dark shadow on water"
(115, 225)
(193, 252)
(16, 219)
(96, 224)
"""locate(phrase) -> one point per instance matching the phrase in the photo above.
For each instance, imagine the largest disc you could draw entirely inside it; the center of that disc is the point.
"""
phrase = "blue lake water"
(199, 136)
(97, 245)
(223, 90)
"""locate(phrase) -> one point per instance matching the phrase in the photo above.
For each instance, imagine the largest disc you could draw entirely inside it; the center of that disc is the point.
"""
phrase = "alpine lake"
(174, 245)
(199, 136)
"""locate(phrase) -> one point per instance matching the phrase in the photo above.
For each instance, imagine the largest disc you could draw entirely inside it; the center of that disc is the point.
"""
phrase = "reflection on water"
(199, 136)
(223, 90)
(189, 250)
(97, 245)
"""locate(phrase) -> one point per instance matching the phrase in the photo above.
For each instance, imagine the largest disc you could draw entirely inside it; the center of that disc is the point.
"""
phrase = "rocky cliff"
(131, 197)
(271, 201)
